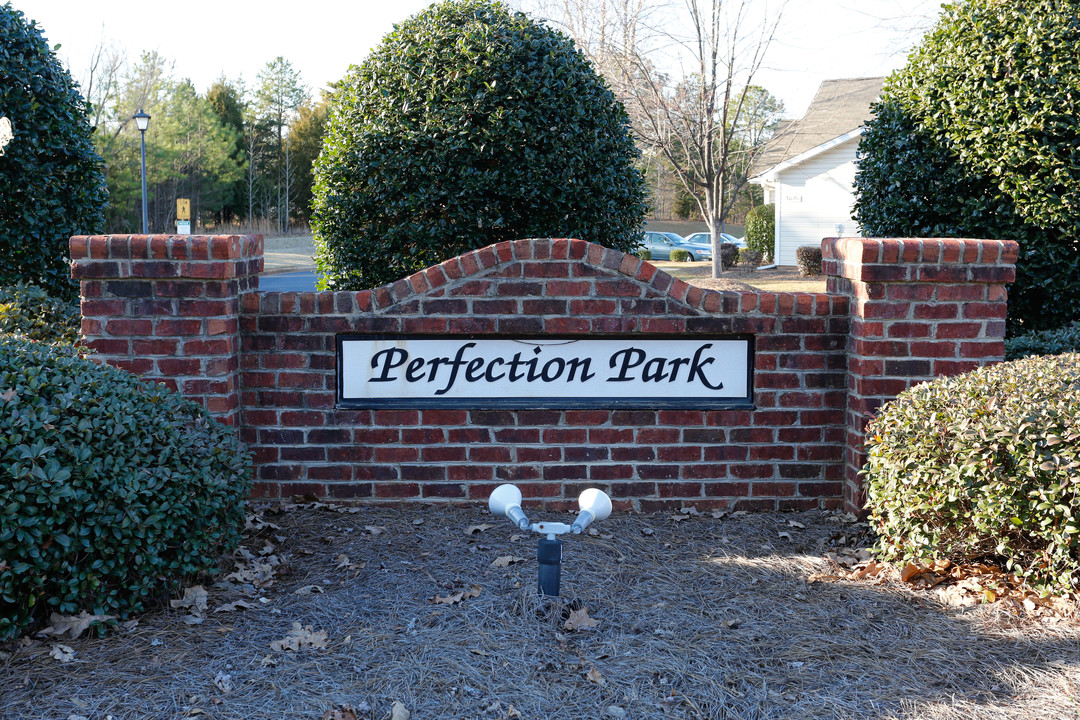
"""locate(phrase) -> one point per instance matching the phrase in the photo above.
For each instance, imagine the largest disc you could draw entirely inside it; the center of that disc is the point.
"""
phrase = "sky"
(817, 39)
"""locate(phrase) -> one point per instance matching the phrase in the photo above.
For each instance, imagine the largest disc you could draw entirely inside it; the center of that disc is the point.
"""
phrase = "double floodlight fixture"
(594, 505)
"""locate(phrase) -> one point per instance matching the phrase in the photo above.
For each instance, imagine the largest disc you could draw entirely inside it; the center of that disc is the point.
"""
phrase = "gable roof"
(839, 109)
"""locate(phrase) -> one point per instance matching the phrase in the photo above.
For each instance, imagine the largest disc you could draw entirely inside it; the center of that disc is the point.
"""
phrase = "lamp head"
(142, 120)
(595, 505)
(506, 500)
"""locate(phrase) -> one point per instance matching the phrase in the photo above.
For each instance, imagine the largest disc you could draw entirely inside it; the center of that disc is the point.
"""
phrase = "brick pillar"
(166, 307)
(920, 309)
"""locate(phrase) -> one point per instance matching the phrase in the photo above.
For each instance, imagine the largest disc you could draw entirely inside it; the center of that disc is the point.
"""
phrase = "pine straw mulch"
(378, 612)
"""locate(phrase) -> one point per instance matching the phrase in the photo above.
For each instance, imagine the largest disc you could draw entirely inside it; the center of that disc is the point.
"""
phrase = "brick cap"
(609, 262)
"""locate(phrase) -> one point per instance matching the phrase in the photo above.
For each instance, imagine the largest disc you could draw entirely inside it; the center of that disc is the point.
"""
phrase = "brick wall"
(186, 310)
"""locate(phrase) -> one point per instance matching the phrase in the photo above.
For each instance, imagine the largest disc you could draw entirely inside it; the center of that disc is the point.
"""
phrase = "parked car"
(660, 245)
(704, 238)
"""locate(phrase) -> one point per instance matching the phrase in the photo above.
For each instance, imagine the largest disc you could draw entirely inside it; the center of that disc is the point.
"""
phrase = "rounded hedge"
(977, 137)
(761, 230)
(52, 182)
(983, 466)
(681, 256)
(29, 311)
(111, 489)
(469, 125)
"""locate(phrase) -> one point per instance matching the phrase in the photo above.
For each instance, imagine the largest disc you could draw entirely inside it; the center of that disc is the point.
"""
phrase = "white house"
(808, 168)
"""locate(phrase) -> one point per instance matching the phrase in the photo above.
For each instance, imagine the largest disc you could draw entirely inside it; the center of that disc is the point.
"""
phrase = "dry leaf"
(799, 525)
(647, 531)
(345, 712)
(299, 638)
(594, 676)
(512, 713)
(731, 623)
(223, 681)
(9, 395)
(474, 529)
(343, 563)
(910, 572)
(73, 625)
(580, 620)
(233, 606)
(822, 577)
(690, 511)
(398, 712)
(194, 599)
(507, 560)
(481, 653)
(872, 570)
(63, 653)
(784, 535)
(375, 529)
(458, 597)
(309, 590)
(680, 518)
(718, 513)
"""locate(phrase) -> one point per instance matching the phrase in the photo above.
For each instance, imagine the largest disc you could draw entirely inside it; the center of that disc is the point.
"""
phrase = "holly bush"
(52, 184)
(761, 230)
(469, 125)
(983, 466)
(977, 136)
(29, 311)
(1044, 342)
(112, 489)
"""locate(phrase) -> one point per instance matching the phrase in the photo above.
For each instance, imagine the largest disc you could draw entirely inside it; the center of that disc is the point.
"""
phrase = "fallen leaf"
(73, 625)
(481, 653)
(309, 590)
(398, 712)
(63, 653)
(507, 560)
(872, 570)
(299, 638)
(223, 681)
(344, 563)
(731, 623)
(910, 572)
(344, 712)
(474, 529)
(821, 577)
(580, 620)
(458, 597)
(594, 676)
(269, 661)
(718, 514)
(8, 395)
(690, 511)
(375, 529)
(680, 518)
(194, 600)
(512, 713)
(794, 524)
(784, 535)
(234, 606)
(647, 531)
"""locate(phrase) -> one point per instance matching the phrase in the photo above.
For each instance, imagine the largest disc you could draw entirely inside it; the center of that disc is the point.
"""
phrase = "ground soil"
(370, 612)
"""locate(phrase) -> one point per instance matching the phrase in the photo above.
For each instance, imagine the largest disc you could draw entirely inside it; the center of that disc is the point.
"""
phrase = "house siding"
(814, 198)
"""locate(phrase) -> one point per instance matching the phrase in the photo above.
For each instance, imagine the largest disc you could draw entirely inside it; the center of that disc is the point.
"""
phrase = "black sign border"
(580, 403)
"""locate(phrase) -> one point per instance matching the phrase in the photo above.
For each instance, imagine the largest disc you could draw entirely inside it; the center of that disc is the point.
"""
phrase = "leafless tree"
(698, 123)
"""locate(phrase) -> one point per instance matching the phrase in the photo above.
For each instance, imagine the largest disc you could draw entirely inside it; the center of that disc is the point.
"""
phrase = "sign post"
(183, 216)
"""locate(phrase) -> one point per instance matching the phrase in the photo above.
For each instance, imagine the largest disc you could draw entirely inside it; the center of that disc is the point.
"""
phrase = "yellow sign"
(183, 209)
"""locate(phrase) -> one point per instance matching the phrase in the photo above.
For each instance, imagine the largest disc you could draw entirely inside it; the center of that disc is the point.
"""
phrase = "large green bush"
(29, 311)
(983, 466)
(977, 137)
(1044, 342)
(52, 184)
(111, 488)
(469, 125)
(761, 230)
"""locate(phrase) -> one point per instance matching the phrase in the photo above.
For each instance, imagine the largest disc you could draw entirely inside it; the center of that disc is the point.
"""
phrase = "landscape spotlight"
(594, 505)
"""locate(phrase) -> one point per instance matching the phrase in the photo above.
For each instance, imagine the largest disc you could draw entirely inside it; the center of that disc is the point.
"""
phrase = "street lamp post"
(142, 121)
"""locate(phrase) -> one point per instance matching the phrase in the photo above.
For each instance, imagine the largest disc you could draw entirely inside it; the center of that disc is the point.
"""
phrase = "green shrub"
(29, 311)
(983, 466)
(761, 230)
(681, 256)
(469, 125)
(111, 488)
(643, 253)
(749, 260)
(729, 254)
(808, 258)
(1044, 342)
(976, 137)
(52, 183)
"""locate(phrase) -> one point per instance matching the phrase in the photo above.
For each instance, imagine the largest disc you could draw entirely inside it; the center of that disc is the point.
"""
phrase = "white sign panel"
(413, 371)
